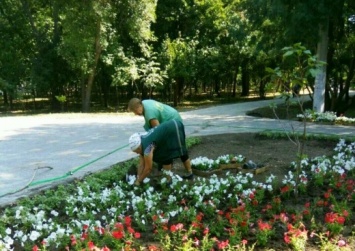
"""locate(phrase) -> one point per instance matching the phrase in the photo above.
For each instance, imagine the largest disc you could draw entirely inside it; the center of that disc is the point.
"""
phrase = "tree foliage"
(101, 51)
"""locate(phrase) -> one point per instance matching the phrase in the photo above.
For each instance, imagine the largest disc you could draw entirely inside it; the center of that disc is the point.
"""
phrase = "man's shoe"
(189, 176)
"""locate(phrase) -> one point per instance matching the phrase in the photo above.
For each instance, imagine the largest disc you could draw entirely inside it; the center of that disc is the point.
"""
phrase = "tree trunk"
(178, 90)
(245, 81)
(234, 83)
(88, 89)
(262, 89)
(319, 84)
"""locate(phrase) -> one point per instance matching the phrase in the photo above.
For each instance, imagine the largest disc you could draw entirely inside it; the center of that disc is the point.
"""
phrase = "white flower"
(173, 213)
(8, 241)
(146, 180)
(52, 236)
(8, 231)
(24, 238)
(80, 191)
(60, 232)
(54, 213)
(18, 234)
(34, 235)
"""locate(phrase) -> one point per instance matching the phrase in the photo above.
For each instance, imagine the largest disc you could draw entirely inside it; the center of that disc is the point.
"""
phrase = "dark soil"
(276, 154)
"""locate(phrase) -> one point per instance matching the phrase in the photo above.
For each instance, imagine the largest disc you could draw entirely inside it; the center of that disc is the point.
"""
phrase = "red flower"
(130, 230)
(173, 228)
(105, 249)
(84, 236)
(306, 212)
(252, 196)
(119, 226)
(331, 217)
(118, 234)
(91, 245)
(327, 194)
(233, 222)
(35, 248)
(152, 248)
(264, 226)
(137, 235)
(320, 203)
(340, 220)
(128, 221)
(285, 189)
(199, 216)
(255, 202)
(287, 238)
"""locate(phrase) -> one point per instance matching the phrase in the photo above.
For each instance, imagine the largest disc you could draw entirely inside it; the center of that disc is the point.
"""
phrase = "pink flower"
(206, 231)
(341, 243)
(223, 244)
(105, 249)
(345, 213)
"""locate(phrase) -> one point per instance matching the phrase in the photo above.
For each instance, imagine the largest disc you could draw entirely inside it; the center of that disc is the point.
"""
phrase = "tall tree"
(291, 21)
(91, 27)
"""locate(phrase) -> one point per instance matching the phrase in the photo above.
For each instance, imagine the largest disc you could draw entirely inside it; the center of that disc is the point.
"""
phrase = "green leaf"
(287, 54)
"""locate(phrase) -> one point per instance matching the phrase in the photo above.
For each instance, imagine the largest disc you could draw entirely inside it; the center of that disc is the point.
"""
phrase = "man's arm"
(146, 165)
(153, 123)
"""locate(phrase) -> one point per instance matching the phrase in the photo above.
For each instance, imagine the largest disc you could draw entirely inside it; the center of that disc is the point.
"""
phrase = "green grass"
(282, 111)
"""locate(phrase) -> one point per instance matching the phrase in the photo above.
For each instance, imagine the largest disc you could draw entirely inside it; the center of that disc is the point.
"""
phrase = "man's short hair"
(133, 104)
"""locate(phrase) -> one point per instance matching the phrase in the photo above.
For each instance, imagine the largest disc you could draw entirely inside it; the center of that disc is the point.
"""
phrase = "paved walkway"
(44, 147)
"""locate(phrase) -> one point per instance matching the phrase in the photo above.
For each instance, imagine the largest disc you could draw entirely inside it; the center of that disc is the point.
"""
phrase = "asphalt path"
(42, 151)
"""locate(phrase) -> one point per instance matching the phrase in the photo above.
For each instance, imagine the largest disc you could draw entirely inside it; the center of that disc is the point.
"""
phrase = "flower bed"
(230, 213)
(328, 118)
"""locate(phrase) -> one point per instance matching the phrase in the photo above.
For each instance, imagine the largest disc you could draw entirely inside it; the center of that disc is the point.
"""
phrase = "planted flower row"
(233, 213)
(327, 116)
(207, 164)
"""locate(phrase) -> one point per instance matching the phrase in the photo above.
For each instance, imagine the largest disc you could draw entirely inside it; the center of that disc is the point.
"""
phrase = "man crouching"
(161, 144)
